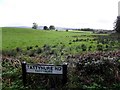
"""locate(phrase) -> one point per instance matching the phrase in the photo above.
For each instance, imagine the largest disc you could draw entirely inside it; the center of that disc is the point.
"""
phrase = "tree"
(35, 26)
(117, 25)
(45, 28)
(52, 27)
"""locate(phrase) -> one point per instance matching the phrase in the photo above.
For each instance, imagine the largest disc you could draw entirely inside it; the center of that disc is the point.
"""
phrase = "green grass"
(66, 44)
(20, 37)
(13, 38)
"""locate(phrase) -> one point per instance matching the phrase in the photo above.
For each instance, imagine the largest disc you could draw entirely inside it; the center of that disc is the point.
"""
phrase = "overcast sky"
(98, 14)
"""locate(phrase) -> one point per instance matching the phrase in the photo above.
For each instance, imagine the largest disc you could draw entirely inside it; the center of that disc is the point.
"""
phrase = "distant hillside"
(41, 27)
(18, 26)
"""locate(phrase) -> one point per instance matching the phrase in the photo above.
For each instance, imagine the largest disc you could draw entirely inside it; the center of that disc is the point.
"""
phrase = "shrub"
(18, 49)
(83, 46)
(52, 27)
(99, 47)
(89, 48)
(11, 52)
(35, 26)
(70, 43)
(36, 46)
(39, 50)
(46, 47)
(45, 28)
(67, 30)
(29, 47)
(31, 53)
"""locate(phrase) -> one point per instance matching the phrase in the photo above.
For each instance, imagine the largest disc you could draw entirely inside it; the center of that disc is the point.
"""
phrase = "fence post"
(24, 72)
(64, 81)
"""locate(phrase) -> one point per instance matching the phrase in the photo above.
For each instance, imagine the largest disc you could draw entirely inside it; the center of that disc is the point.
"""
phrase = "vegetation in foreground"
(93, 59)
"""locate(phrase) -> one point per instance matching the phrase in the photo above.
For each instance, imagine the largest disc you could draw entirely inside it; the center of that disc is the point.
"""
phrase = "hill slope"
(22, 37)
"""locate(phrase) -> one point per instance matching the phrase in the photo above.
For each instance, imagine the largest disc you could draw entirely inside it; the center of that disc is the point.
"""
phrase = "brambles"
(11, 52)
(11, 75)
(31, 53)
(99, 68)
(93, 70)
(39, 50)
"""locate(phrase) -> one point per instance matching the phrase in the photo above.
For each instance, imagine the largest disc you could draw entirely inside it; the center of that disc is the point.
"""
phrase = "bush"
(31, 53)
(67, 30)
(10, 53)
(45, 28)
(35, 26)
(99, 47)
(83, 46)
(39, 50)
(90, 47)
(101, 74)
(52, 27)
(18, 49)
(29, 47)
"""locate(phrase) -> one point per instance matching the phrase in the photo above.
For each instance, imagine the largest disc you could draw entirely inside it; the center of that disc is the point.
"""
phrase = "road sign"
(44, 69)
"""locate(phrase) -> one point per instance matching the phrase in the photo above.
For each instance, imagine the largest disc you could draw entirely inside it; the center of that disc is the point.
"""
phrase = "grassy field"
(17, 37)
(93, 59)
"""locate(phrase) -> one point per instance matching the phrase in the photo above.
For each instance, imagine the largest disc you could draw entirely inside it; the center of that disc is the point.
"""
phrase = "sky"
(97, 14)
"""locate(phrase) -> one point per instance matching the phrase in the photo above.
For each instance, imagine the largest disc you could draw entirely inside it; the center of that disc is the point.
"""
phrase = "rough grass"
(20, 37)
(56, 47)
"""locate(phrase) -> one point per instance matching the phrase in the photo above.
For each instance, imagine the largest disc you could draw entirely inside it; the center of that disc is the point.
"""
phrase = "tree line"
(51, 27)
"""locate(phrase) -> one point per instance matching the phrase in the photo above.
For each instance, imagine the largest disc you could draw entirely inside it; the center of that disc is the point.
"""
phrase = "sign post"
(24, 72)
(46, 69)
(64, 74)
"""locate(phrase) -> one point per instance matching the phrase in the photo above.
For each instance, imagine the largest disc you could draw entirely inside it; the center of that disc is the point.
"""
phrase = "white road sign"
(44, 69)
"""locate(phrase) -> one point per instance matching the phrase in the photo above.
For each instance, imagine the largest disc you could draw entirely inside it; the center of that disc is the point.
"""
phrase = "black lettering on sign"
(58, 68)
(31, 67)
